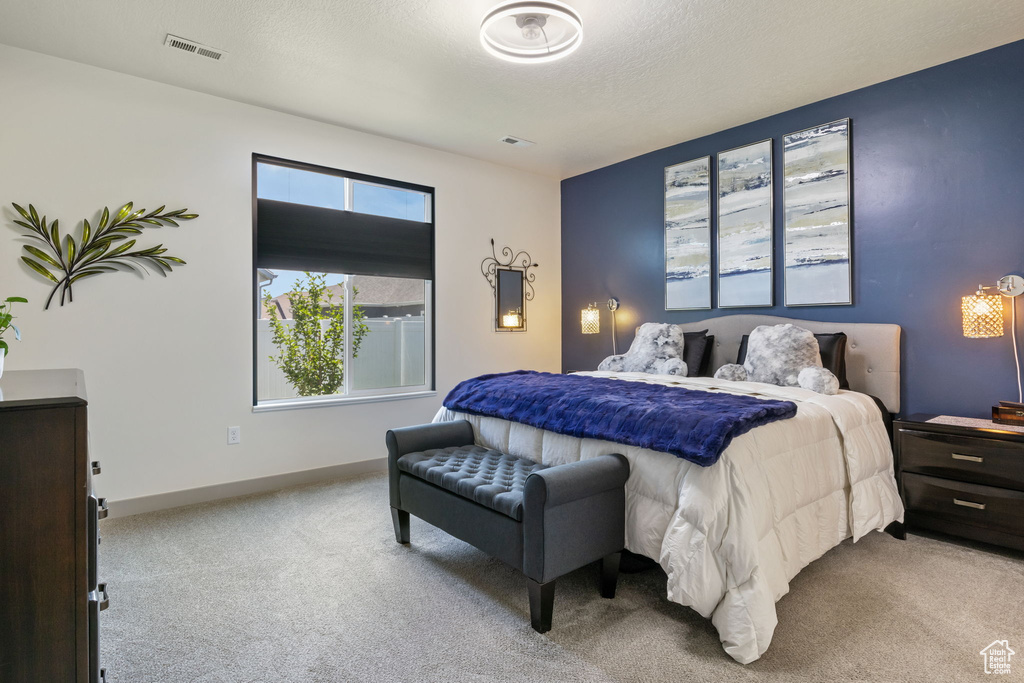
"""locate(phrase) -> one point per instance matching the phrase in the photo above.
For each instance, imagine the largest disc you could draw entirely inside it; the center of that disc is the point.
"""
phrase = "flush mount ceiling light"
(531, 32)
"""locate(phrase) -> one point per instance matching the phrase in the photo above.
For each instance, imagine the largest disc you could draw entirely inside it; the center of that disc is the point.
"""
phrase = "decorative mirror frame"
(511, 260)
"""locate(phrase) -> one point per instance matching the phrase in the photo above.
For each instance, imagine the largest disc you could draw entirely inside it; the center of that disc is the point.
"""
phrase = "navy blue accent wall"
(938, 207)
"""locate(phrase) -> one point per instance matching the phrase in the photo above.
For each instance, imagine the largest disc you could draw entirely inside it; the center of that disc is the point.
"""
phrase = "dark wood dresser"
(50, 598)
(962, 479)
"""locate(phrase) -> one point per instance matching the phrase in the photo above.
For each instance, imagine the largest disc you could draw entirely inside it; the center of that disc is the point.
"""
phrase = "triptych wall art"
(745, 226)
(688, 235)
(816, 211)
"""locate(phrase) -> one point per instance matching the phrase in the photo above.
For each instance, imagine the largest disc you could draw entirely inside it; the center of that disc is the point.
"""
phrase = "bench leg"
(542, 604)
(400, 518)
(609, 574)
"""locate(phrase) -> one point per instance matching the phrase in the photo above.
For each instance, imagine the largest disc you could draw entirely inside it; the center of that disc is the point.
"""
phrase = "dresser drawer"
(967, 458)
(994, 508)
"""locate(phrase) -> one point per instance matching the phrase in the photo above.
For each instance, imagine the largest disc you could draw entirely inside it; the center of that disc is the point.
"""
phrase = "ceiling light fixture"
(531, 32)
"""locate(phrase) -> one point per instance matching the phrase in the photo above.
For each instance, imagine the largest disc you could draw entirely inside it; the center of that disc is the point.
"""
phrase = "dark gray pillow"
(696, 353)
(705, 362)
(831, 346)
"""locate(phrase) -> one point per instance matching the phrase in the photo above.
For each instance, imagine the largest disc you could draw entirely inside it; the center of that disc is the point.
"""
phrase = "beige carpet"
(307, 584)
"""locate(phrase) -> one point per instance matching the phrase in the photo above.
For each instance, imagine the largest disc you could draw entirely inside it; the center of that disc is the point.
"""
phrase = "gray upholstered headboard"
(872, 350)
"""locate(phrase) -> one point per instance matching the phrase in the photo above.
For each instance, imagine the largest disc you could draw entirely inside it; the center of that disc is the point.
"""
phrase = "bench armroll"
(565, 483)
(422, 438)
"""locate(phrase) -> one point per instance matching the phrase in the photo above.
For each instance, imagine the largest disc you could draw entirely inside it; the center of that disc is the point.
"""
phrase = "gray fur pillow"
(657, 349)
(777, 353)
(784, 355)
(820, 380)
(732, 372)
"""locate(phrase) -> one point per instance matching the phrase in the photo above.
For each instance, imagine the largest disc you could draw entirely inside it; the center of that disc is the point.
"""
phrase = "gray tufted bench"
(544, 521)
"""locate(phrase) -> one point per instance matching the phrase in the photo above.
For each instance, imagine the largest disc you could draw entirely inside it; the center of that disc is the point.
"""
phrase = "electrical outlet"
(234, 435)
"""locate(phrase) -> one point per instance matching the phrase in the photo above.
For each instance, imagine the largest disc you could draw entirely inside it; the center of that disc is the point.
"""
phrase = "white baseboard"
(204, 494)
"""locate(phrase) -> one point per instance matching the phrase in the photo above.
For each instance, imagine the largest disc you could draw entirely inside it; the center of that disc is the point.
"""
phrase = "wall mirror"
(510, 300)
(512, 282)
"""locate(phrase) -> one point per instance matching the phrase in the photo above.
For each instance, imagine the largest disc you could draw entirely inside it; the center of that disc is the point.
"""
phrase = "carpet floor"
(307, 584)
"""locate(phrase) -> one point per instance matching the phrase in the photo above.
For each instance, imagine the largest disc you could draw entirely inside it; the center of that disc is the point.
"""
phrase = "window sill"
(301, 403)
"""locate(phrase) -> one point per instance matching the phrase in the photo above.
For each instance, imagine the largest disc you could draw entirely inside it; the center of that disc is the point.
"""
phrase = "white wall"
(168, 361)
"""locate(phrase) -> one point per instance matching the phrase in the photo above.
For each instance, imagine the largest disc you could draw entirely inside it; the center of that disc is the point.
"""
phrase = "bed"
(731, 536)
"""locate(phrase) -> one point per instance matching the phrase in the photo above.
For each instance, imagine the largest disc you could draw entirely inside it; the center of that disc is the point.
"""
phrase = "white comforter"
(731, 536)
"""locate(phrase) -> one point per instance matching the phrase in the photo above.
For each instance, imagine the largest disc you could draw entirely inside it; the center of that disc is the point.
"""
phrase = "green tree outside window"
(312, 348)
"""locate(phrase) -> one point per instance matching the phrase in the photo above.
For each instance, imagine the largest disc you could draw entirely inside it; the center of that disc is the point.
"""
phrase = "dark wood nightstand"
(964, 479)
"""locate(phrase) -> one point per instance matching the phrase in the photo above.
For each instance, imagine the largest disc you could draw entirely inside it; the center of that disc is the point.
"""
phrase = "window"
(343, 271)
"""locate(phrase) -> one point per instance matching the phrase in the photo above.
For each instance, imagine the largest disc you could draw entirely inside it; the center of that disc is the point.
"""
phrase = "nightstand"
(962, 476)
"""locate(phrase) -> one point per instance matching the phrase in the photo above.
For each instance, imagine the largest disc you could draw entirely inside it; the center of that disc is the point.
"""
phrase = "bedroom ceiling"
(650, 73)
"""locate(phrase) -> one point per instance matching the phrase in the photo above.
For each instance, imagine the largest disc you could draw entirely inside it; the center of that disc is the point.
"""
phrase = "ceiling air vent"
(517, 142)
(193, 47)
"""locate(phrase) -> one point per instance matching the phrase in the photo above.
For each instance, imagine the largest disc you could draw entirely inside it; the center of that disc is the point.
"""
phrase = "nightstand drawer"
(993, 508)
(967, 458)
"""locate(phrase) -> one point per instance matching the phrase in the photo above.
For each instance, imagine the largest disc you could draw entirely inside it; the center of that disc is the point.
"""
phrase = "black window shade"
(309, 238)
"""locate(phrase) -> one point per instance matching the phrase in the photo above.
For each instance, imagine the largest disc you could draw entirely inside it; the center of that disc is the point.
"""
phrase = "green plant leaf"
(188, 216)
(121, 248)
(54, 238)
(69, 246)
(86, 273)
(39, 268)
(16, 300)
(32, 212)
(42, 256)
(23, 212)
(104, 218)
(122, 213)
(174, 259)
(3, 347)
(86, 232)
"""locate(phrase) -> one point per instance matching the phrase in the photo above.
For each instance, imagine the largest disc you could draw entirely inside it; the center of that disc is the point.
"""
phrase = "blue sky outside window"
(300, 187)
(388, 201)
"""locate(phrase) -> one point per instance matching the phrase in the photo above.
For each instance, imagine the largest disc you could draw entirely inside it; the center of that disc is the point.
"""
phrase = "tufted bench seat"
(544, 521)
(490, 478)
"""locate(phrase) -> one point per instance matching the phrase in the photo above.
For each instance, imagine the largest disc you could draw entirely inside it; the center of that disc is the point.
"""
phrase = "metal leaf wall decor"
(64, 261)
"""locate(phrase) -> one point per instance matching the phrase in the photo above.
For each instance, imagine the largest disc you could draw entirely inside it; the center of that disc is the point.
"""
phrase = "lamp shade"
(511, 319)
(590, 319)
(983, 315)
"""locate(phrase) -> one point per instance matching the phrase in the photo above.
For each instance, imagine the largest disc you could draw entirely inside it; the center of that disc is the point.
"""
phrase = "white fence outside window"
(391, 355)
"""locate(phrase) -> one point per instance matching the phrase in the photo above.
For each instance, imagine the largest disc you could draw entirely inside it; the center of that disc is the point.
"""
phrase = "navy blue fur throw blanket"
(690, 424)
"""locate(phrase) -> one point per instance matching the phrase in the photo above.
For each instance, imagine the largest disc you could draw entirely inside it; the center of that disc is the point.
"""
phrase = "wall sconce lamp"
(983, 315)
(590, 320)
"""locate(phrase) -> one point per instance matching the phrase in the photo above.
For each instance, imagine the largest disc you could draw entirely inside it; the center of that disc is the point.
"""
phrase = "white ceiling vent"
(518, 142)
(193, 47)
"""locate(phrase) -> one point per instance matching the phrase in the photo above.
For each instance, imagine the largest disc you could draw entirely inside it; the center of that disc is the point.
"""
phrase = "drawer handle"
(970, 458)
(96, 467)
(969, 504)
(101, 511)
(105, 602)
